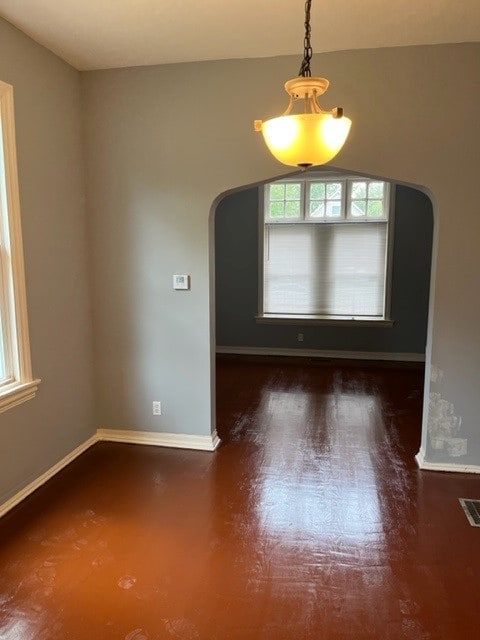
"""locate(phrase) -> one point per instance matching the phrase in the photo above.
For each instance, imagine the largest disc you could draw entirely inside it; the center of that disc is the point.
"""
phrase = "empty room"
(239, 300)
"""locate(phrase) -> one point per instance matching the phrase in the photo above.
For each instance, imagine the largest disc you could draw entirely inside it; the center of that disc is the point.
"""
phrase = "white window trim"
(23, 385)
(386, 321)
(345, 200)
(331, 321)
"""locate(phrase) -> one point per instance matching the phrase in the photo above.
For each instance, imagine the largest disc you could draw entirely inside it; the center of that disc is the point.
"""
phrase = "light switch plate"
(181, 282)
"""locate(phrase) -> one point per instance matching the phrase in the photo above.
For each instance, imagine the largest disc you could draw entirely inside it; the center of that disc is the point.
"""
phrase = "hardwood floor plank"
(310, 522)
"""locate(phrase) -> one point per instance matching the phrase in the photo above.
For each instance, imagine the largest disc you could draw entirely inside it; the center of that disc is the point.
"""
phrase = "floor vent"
(472, 510)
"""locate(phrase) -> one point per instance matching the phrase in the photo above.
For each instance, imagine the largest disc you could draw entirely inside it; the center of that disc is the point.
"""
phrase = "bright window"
(326, 249)
(16, 381)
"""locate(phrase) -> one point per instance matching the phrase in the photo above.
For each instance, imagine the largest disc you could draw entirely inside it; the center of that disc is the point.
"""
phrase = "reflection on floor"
(311, 522)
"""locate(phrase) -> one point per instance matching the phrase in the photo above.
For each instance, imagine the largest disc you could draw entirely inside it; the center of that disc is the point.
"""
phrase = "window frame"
(21, 385)
(307, 217)
(386, 320)
(386, 200)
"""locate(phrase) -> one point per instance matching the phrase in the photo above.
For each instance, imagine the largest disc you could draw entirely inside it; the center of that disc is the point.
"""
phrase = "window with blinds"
(326, 248)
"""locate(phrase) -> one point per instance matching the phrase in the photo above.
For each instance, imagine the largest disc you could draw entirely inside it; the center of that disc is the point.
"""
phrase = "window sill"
(13, 394)
(271, 318)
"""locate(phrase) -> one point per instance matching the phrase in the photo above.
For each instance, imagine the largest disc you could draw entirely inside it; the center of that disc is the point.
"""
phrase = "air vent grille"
(472, 510)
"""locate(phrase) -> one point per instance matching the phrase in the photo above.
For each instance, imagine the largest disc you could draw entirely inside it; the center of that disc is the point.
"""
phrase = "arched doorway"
(239, 291)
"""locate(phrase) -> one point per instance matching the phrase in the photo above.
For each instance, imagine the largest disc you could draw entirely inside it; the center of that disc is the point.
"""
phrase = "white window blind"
(325, 269)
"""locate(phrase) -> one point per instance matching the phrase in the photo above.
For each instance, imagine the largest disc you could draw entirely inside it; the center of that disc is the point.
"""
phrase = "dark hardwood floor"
(310, 522)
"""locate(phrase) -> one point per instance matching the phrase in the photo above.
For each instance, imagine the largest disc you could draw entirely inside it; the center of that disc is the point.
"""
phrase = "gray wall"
(38, 433)
(164, 142)
(236, 269)
(156, 160)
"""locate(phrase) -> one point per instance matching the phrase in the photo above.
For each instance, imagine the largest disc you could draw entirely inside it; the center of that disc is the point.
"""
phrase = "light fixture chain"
(305, 71)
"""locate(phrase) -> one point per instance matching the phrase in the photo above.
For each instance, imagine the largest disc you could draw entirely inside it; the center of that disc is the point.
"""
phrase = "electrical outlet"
(157, 408)
(299, 337)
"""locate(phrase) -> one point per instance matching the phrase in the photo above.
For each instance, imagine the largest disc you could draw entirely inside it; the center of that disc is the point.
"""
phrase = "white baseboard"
(177, 441)
(420, 458)
(451, 467)
(215, 441)
(319, 353)
(36, 484)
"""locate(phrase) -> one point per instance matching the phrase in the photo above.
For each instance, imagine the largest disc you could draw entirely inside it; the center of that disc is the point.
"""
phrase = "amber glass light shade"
(312, 137)
(305, 139)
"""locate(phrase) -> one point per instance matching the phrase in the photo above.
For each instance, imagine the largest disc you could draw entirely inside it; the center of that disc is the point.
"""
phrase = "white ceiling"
(98, 34)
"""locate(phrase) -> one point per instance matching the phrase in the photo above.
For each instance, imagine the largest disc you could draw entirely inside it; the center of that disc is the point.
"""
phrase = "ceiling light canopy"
(312, 136)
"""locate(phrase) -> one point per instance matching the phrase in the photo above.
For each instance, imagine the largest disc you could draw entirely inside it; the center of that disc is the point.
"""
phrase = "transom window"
(326, 251)
(326, 200)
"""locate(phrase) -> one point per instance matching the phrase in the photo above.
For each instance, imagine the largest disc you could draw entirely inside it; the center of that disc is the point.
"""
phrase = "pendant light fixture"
(313, 136)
